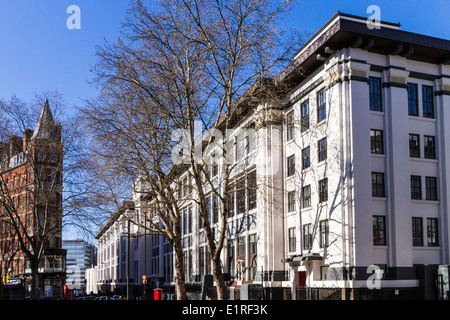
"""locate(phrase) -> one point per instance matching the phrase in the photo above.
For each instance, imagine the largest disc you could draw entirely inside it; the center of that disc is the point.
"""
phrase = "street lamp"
(128, 215)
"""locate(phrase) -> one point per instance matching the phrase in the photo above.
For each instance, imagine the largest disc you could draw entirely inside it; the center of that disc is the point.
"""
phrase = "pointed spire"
(45, 127)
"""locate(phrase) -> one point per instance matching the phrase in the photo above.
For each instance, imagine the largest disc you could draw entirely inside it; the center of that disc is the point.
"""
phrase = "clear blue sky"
(39, 53)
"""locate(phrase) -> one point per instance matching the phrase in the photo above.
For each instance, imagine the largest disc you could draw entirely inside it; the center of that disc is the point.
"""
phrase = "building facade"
(344, 183)
(80, 256)
(31, 206)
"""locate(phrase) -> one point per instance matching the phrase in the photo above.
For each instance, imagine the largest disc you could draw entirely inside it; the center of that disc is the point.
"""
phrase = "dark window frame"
(292, 239)
(304, 107)
(290, 126)
(413, 100)
(378, 185)
(323, 190)
(322, 150)
(375, 94)
(306, 198)
(433, 232)
(428, 102)
(307, 236)
(417, 231)
(324, 233)
(291, 165)
(376, 141)
(379, 230)
(416, 187)
(414, 145)
(291, 199)
(429, 147)
(321, 105)
(306, 158)
(431, 192)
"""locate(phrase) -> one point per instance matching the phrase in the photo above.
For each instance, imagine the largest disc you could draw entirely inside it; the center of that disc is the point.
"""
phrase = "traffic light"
(5, 278)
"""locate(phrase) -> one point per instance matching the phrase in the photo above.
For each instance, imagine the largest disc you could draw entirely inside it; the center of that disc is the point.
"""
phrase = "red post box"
(158, 293)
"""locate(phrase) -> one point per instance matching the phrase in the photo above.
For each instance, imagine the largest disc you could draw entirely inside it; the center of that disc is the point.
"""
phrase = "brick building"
(31, 206)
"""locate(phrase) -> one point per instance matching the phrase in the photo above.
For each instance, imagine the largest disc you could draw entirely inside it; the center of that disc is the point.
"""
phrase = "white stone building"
(352, 171)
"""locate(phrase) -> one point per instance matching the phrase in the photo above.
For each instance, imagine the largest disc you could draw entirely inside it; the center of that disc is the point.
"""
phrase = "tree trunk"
(218, 279)
(34, 281)
(179, 274)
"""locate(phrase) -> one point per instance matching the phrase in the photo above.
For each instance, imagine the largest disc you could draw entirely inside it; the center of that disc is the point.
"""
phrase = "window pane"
(416, 189)
(378, 184)
(376, 141)
(417, 232)
(306, 162)
(305, 116)
(379, 234)
(431, 188)
(375, 94)
(323, 190)
(414, 146)
(306, 195)
(412, 100)
(291, 165)
(432, 232)
(427, 102)
(429, 147)
(321, 105)
(291, 201)
(290, 126)
(322, 149)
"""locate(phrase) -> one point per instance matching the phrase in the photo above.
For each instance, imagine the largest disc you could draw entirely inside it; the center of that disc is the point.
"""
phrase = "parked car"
(116, 297)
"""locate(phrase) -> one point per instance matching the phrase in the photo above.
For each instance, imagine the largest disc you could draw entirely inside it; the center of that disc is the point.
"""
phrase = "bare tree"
(33, 170)
(177, 64)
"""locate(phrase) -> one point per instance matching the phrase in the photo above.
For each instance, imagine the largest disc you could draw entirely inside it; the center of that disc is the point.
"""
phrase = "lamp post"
(128, 215)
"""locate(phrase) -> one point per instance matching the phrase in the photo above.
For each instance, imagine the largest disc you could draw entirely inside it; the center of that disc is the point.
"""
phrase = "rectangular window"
(375, 94)
(290, 128)
(430, 188)
(379, 230)
(307, 236)
(417, 232)
(215, 211)
(291, 201)
(378, 184)
(306, 159)
(231, 258)
(323, 190)
(416, 187)
(432, 232)
(376, 141)
(201, 260)
(208, 208)
(240, 196)
(413, 110)
(241, 246)
(322, 149)
(252, 188)
(414, 145)
(253, 252)
(231, 197)
(292, 240)
(427, 102)
(190, 220)
(321, 105)
(324, 232)
(305, 116)
(429, 146)
(306, 196)
(291, 165)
